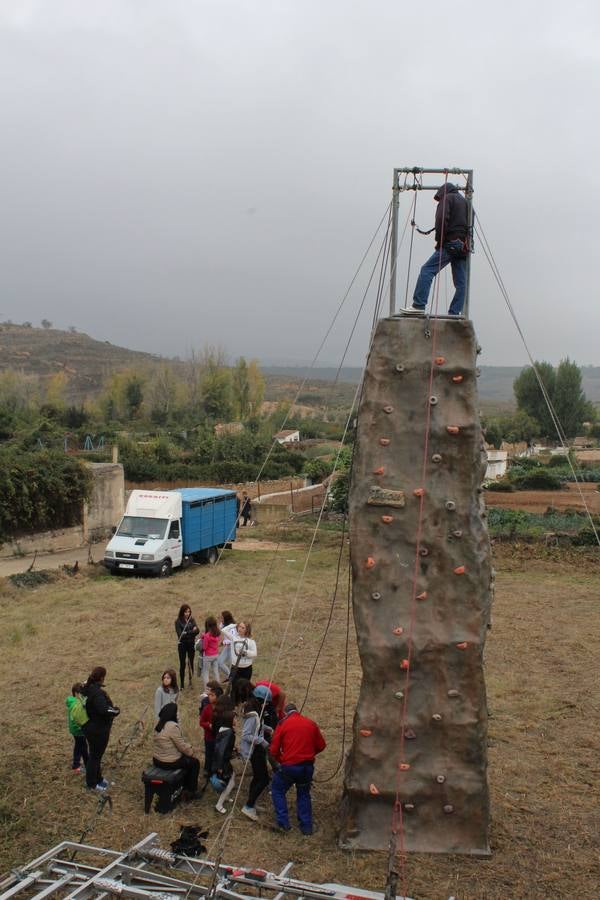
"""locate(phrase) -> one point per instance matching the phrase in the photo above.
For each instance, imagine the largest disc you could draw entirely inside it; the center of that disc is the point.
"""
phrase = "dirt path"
(17, 564)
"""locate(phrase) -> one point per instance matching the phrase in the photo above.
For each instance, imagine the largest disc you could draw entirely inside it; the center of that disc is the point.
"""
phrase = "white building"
(497, 464)
(287, 437)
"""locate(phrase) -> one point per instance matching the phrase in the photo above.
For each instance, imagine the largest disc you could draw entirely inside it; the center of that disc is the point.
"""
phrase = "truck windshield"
(141, 527)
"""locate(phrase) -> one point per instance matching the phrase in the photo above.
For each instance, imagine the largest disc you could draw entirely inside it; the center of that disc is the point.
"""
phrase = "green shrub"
(503, 484)
(538, 481)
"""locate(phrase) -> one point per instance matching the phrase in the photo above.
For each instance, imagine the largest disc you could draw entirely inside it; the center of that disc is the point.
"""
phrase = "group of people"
(225, 647)
(275, 742)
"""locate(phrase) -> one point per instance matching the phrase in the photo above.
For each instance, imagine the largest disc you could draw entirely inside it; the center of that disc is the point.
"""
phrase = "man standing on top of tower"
(451, 246)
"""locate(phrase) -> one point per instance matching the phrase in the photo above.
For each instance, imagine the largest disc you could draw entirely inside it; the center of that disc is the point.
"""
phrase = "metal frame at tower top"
(417, 184)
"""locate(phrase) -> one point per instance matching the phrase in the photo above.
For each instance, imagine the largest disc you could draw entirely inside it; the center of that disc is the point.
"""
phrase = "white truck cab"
(149, 536)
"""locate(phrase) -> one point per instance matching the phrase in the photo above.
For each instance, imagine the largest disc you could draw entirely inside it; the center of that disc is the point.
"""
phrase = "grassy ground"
(542, 677)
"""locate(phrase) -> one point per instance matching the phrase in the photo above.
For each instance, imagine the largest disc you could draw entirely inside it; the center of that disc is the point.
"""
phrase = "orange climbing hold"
(440, 360)
(404, 767)
(419, 492)
(387, 519)
(462, 646)
(452, 429)
(460, 570)
(422, 595)
(404, 664)
(458, 378)
(374, 790)
(365, 732)
(370, 562)
(398, 631)
(384, 442)
(379, 471)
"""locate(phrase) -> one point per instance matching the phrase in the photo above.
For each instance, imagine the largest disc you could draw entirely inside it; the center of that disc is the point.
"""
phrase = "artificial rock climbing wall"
(421, 594)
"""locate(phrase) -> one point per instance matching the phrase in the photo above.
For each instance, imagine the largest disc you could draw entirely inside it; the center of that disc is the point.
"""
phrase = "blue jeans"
(438, 261)
(283, 779)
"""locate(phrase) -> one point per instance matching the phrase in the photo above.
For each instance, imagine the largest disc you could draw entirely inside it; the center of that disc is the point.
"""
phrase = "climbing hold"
(477, 372)
(457, 534)
(379, 471)
(462, 646)
(460, 570)
(436, 717)
(404, 664)
(398, 631)
(370, 562)
(399, 695)
(384, 442)
(374, 790)
(387, 519)
(452, 429)
(409, 807)
(388, 409)
(365, 732)
(433, 401)
(450, 505)
(440, 360)
(409, 734)
(419, 492)
(399, 367)
(422, 595)
(440, 779)
(458, 378)
(436, 458)
(424, 551)
(479, 348)
(375, 595)
(404, 767)
(453, 693)
(448, 808)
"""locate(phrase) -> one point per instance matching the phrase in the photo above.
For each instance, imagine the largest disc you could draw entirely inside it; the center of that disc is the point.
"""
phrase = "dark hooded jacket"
(99, 708)
(451, 219)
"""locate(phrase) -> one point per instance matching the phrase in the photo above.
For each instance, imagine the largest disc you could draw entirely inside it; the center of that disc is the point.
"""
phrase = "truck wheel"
(212, 556)
(165, 569)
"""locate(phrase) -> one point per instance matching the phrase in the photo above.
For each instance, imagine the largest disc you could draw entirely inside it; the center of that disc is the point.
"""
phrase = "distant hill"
(46, 351)
(88, 362)
(495, 382)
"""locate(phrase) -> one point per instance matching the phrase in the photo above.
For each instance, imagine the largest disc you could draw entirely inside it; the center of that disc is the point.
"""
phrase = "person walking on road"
(246, 509)
(295, 743)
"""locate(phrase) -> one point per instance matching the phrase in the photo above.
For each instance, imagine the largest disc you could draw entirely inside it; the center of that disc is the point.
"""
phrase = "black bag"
(188, 842)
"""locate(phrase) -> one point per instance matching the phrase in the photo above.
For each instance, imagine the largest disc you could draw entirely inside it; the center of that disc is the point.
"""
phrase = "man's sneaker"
(99, 788)
(76, 770)
(105, 784)
(250, 812)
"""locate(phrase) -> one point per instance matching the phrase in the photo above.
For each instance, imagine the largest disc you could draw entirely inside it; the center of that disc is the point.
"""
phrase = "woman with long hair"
(186, 629)
(253, 747)
(167, 691)
(101, 714)
(171, 751)
(210, 651)
(243, 653)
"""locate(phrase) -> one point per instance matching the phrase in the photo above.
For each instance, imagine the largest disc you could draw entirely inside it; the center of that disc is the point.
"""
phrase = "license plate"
(126, 566)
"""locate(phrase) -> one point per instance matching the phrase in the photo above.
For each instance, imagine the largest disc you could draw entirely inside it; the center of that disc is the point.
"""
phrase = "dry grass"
(542, 675)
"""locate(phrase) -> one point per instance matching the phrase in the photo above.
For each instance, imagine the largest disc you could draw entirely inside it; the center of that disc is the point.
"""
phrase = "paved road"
(15, 564)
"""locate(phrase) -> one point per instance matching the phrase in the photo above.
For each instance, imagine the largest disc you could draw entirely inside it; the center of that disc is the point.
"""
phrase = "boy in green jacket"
(76, 718)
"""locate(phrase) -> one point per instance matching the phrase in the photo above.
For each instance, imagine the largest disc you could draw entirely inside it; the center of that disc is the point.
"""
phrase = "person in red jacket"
(296, 741)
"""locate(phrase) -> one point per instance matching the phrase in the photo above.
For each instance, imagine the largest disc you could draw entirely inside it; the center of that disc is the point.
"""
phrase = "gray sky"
(211, 171)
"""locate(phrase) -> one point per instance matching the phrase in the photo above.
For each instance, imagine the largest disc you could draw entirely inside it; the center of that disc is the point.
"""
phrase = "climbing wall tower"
(421, 593)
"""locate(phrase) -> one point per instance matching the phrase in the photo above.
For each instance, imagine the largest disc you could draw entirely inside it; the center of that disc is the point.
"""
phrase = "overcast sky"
(186, 172)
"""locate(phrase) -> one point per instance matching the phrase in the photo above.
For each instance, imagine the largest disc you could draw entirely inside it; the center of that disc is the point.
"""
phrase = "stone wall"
(421, 596)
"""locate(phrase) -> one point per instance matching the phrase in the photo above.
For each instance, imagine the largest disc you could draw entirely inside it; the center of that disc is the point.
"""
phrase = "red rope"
(398, 813)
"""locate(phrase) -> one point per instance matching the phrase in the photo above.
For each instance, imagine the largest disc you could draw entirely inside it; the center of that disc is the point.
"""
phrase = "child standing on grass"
(223, 777)
(76, 717)
(207, 706)
(210, 650)
(167, 692)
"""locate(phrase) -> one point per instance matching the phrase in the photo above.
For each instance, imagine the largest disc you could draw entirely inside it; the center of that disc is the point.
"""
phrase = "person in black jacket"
(187, 631)
(451, 231)
(102, 713)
